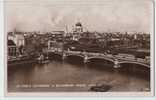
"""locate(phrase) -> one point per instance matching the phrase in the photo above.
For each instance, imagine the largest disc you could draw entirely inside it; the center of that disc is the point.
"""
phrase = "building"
(17, 38)
(77, 31)
(78, 28)
(12, 49)
(56, 35)
(55, 46)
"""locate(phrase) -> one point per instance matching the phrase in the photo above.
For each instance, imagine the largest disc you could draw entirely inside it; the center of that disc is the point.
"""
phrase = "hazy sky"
(102, 15)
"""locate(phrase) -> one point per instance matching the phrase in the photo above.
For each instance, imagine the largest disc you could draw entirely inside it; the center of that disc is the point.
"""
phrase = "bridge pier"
(64, 56)
(116, 64)
(85, 59)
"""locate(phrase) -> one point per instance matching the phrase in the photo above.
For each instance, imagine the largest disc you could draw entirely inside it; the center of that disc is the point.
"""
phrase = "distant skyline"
(100, 16)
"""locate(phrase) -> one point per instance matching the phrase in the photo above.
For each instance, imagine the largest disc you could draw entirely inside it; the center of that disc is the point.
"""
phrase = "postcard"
(79, 47)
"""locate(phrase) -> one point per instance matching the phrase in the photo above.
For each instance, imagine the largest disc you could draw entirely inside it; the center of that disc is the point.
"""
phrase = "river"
(64, 76)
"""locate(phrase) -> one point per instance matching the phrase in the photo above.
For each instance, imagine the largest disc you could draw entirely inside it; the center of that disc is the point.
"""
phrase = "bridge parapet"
(113, 58)
(139, 60)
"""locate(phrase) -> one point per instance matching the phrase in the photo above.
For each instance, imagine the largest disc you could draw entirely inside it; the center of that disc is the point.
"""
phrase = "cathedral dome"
(78, 24)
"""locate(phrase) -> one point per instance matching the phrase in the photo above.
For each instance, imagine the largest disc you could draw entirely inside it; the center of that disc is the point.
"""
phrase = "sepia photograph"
(79, 46)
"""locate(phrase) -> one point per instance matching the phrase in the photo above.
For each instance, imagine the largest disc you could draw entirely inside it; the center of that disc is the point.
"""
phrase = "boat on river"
(101, 88)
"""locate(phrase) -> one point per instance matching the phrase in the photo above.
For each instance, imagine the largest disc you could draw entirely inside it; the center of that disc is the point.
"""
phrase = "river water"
(64, 76)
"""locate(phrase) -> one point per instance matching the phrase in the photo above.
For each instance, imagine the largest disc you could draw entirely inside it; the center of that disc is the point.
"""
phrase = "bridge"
(115, 59)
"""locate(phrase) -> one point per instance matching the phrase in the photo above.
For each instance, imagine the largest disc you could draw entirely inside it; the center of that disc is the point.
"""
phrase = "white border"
(74, 93)
(1, 50)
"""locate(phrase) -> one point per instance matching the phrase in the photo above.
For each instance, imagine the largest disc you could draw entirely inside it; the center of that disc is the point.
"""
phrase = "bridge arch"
(137, 63)
(54, 53)
(74, 58)
(101, 62)
(141, 71)
(68, 55)
(55, 56)
(103, 58)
